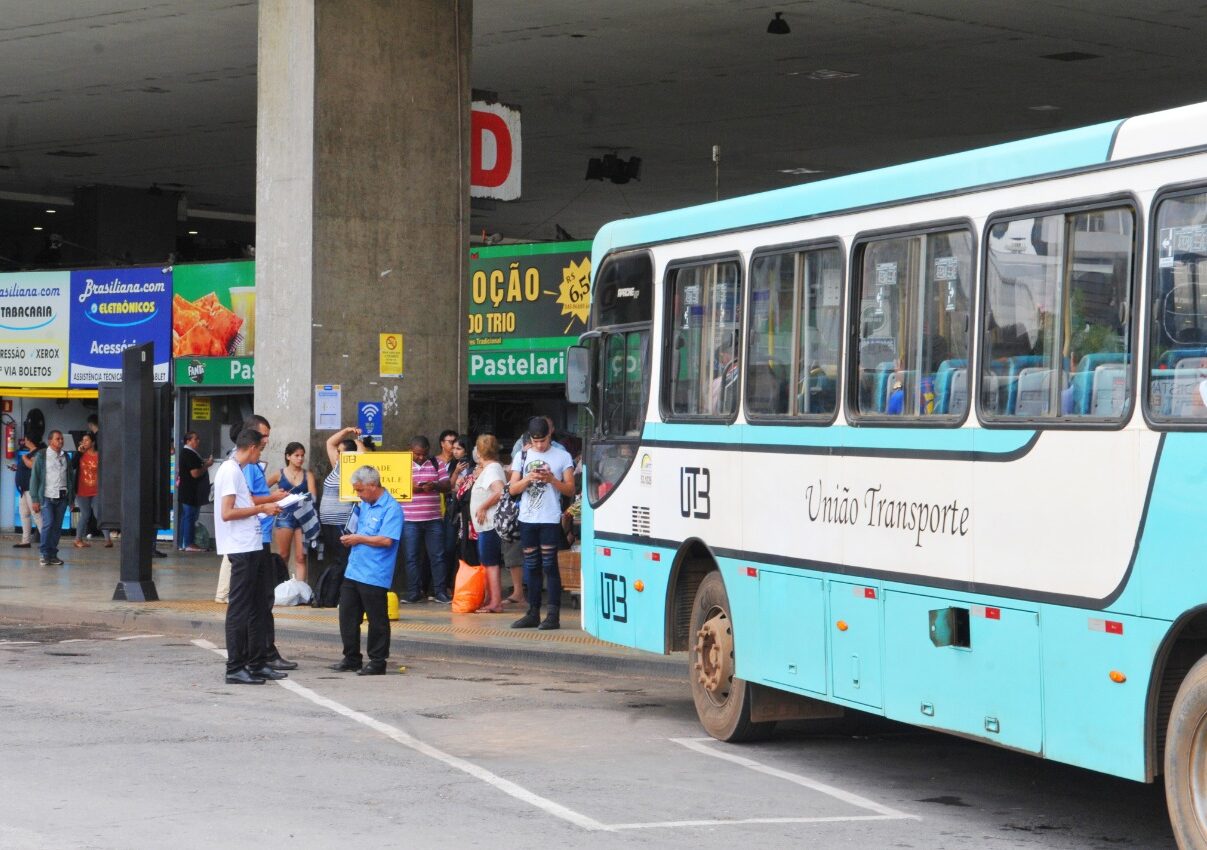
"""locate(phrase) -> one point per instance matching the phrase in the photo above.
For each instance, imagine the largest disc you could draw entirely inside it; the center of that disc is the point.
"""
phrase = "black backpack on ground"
(280, 572)
(326, 592)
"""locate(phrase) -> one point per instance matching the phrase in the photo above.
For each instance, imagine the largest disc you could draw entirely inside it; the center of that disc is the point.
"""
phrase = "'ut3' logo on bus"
(693, 492)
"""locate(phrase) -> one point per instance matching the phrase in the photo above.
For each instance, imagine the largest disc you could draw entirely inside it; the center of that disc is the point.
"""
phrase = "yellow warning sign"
(390, 356)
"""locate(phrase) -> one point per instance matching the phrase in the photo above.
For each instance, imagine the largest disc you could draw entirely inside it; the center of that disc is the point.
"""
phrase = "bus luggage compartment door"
(791, 629)
(855, 642)
(981, 678)
(614, 620)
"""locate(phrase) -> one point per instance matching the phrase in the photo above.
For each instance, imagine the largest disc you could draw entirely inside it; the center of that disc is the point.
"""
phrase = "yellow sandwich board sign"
(394, 468)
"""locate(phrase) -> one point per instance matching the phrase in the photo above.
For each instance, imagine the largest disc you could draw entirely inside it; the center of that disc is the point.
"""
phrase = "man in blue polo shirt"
(374, 531)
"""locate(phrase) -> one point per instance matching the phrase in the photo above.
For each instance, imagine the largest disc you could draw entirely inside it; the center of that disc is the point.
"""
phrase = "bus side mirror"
(578, 374)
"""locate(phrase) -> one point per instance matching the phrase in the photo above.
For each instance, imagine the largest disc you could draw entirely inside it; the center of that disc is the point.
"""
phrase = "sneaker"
(410, 600)
(44, 562)
(20, 545)
(55, 562)
(551, 621)
(443, 598)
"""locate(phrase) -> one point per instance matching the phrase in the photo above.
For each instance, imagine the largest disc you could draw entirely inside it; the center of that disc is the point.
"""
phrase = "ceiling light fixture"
(778, 25)
(801, 170)
(611, 167)
(36, 227)
(52, 212)
(1044, 107)
(192, 233)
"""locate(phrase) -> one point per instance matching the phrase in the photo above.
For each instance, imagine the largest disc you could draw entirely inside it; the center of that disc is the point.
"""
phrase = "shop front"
(527, 305)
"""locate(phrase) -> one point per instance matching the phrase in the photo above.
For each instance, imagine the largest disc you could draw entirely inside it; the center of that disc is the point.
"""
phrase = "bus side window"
(792, 348)
(1177, 357)
(1057, 314)
(702, 369)
(914, 325)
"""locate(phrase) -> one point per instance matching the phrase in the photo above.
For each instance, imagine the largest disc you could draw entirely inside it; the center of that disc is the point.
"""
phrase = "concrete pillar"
(362, 211)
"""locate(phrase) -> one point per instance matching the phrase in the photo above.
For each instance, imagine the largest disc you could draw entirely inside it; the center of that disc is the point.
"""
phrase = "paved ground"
(123, 740)
(119, 733)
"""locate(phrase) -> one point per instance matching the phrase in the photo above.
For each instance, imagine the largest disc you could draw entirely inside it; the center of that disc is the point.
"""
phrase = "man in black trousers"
(237, 533)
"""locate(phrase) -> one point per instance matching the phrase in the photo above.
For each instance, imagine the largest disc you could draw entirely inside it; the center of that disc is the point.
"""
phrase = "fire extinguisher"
(10, 440)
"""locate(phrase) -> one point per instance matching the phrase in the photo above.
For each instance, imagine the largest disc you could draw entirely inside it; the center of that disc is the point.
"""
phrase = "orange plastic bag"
(469, 591)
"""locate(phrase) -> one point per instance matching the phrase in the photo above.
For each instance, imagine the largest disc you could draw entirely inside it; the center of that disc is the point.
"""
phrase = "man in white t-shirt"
(543, 474)
(237, 533)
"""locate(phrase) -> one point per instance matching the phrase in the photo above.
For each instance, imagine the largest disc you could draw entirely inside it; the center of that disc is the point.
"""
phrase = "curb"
(670, 668)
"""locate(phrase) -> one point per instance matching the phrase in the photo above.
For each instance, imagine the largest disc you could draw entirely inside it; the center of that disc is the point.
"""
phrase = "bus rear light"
(654, 556)
(752, 572)
(606, 552)
(869, 593)
(1117, 677)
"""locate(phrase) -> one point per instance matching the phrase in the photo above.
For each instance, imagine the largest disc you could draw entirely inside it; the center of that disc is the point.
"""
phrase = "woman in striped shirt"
(333, 514)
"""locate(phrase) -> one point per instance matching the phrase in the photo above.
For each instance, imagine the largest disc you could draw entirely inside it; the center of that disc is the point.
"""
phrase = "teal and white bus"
(925, 442)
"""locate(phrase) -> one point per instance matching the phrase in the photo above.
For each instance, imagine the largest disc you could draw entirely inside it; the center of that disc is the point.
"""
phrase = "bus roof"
(1050, 154)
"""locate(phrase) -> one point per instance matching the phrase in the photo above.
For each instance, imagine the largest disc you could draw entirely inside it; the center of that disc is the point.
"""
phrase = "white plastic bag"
(292, 592)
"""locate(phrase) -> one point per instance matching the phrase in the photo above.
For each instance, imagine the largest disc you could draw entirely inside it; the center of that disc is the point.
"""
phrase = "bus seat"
(1085, 381)
(959, 392)
(943, 384)
(1014, 366)
(880, 385)
(1032, 390)
(1171, 357)
(1108, 395)
(1183, 399)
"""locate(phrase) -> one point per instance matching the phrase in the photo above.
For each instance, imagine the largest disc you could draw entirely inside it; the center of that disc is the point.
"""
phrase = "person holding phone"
(545, 474)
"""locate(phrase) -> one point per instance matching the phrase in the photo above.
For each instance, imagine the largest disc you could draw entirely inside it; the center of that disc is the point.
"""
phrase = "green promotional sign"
(214, 323)
(527, 304)
(215, 371)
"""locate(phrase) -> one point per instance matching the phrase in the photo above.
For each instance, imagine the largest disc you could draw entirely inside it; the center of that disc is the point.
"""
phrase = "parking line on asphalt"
(700, 745)
(397, 735)
(137, 637)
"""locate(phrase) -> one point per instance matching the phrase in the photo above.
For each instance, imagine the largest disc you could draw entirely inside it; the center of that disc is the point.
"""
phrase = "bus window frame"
(617, 256)
(1065, 208)
(851, 392)
(664, 409)
(816, 420)
(1162, 194)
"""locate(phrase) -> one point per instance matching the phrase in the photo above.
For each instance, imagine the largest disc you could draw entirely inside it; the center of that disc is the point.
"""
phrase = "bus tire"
(722, 700)
(1186, 761)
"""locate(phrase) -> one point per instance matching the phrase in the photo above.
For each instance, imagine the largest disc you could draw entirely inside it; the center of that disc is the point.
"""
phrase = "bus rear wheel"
(1186, 761)
(722, 700)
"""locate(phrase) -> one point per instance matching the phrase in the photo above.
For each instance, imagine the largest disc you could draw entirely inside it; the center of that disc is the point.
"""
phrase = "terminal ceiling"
(162, 93)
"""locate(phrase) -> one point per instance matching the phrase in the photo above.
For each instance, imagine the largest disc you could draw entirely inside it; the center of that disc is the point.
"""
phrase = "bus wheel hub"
(714, 655)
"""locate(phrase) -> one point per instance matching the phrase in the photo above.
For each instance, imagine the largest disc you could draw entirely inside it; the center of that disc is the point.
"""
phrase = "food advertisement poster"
(34, 322)
(112, 310)
(527, 304)
(214, 323)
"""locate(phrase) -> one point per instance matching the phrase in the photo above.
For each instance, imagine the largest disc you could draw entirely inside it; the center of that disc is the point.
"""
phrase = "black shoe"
(265, 671)
(20, 545)
(443, 598)
(159, 554)
(551, 621)
(280, 663)
(373, 668)
(243, 676)
(346, 666)
(529, 621)
(55, 562)
(411, 600)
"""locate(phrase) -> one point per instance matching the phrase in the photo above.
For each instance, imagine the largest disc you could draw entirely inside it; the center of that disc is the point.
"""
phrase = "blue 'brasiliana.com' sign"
(113, 309)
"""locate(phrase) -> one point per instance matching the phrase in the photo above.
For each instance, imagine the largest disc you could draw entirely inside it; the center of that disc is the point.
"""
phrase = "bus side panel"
(988, 688)
(1170, 561)
(1090, 720)
(791, 637)
(613, 590)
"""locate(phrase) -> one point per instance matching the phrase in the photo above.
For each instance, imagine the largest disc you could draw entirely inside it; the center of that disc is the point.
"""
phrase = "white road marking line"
(19, 642)
(395, 734)
(137, 637)
(78, 640)
(670, 824)
(698, 745)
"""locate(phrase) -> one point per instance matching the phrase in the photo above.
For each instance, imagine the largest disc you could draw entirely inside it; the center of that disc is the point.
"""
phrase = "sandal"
(80, 544)
(509, 600)
(485, 610)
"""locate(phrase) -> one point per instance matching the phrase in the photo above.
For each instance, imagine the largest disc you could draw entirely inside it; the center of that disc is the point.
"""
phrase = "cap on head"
(538, 427)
